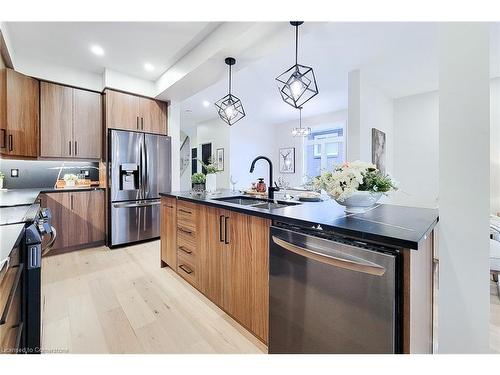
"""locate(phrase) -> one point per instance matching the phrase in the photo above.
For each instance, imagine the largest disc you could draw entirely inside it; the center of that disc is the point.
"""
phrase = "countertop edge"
(355, 234)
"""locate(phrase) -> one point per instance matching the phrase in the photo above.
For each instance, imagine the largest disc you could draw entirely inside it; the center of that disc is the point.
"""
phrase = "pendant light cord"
(296, 43)
(230, 79)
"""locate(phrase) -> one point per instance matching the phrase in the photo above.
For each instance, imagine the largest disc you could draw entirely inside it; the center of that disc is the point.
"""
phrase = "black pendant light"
(229, 107)
(298, 84)
(300, 131)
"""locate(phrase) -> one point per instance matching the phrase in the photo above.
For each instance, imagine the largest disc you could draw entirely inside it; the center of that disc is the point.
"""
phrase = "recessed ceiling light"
(97, 50)
(149, 67)
(206, 103)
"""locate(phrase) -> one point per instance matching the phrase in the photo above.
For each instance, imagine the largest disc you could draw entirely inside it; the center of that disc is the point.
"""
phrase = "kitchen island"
(221, 246)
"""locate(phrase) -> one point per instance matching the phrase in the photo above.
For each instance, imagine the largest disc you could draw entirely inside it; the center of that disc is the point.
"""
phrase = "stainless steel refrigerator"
(139, 167)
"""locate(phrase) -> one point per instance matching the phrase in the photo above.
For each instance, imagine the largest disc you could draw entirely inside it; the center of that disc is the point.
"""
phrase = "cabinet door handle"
(69, 147)
(11, 141)
(137, 122)
(226, 237)
(4, 138)
(186, 269)
(71, 201)
(187, 251)
(185, 211)
(142, 123)
(76, 148)
(221, 239)
(186, 231)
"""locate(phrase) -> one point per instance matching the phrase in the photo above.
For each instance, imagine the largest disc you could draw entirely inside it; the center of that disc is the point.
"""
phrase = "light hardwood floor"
(121, 301)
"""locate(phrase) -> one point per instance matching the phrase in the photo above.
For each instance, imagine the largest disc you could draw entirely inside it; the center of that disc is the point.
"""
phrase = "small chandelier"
(298, 84)
(229, 107)
(300, 131)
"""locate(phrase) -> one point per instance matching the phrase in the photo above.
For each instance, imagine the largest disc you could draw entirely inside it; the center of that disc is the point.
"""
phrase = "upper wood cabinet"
(70, 122)
(131, 112)
(19, 114)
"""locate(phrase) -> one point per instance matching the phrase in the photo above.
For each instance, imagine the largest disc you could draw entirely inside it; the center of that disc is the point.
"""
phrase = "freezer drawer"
(134, 221)
(331, 297)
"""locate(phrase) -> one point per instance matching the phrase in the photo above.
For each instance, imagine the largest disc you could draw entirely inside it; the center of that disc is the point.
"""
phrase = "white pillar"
(174, 127)
(464, 187)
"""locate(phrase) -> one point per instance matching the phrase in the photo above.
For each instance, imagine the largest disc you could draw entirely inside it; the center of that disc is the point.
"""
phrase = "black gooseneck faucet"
(271, 189)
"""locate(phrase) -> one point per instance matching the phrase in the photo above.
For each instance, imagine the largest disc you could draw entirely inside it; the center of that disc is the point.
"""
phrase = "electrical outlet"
(14, 172)
(85, 172)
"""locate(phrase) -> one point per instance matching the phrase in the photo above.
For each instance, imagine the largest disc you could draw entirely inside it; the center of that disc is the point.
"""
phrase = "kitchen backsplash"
(42, 173)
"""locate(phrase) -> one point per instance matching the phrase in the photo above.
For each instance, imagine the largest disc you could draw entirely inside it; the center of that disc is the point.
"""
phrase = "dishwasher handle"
(353, 264)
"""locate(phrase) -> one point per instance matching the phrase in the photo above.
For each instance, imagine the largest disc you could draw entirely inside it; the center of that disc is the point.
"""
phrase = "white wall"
(282, 136)
(368, 108)
(218, 133)
(61, 74)
(174, 126)
(249, 140)
(464, 117)
(416, 144)
(120, 81)
(495, 145)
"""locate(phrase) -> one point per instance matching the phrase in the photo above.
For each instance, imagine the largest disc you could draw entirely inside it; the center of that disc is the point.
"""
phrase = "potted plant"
(70, 179)
(211, 179)
(198, 180)
(357, 185)
(2, 176)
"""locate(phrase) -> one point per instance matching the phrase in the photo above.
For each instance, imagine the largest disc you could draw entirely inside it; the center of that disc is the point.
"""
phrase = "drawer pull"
(166, 205)
(187, 251)
(12, 294)
(186, 269)
(185, 211)
(186, 231)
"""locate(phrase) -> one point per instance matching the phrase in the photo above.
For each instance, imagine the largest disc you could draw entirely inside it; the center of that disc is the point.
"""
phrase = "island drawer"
(186, 215)
(186, 269)
(186, 244)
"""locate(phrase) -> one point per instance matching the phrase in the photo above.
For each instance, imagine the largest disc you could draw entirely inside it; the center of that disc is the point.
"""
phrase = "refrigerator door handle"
(136, 204)
(349, 263)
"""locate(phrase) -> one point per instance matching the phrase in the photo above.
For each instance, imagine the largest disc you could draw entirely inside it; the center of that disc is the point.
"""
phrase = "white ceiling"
(399, 58)
(127, 45)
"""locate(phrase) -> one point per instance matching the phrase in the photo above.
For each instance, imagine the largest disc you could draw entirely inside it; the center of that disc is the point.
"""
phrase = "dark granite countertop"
(391, 225)
(9, 235)
(21, 197)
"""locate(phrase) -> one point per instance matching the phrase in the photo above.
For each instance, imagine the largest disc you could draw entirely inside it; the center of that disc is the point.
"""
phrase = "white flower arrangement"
(347, 178)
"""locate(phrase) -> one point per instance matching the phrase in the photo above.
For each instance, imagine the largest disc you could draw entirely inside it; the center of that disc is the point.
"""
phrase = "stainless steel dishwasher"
(331, 295)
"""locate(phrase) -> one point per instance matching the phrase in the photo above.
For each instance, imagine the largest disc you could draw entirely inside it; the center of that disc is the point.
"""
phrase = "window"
(324, 149)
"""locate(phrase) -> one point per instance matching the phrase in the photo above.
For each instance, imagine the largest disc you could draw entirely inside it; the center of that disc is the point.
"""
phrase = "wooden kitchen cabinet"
(70, 122)
(245, 267)
(153, 116)
(78, 218)
(87, 124)
(211, 233)
(131, 112)
(19, 114)
(168, 218)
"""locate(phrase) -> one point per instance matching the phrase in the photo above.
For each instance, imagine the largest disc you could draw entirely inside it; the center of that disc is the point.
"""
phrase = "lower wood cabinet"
(78, 218)
(225, 255)
(168, 232)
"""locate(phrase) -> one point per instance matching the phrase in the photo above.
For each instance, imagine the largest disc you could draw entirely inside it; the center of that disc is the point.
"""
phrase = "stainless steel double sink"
(257, 202)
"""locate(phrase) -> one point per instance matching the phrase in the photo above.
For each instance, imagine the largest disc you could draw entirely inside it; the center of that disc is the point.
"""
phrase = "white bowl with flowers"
(356, 185)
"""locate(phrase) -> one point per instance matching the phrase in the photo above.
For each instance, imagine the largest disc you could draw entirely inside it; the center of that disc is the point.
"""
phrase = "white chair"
(495, 250)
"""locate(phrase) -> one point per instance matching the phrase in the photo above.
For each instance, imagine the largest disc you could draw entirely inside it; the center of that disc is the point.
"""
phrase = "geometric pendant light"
(229, 107)
(300, 131)
(297, 85)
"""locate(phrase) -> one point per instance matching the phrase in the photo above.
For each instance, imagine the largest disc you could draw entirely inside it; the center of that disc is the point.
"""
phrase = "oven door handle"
(50, 245)
(353, 263)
